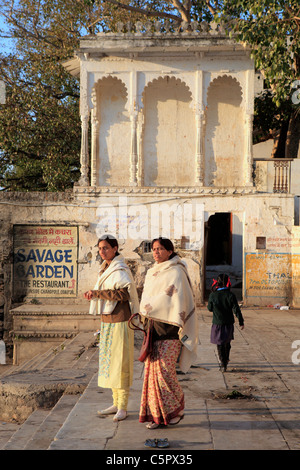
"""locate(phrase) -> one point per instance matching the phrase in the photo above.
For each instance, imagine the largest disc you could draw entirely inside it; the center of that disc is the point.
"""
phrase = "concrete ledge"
(39, 327)
(22, 393)
(41, 381)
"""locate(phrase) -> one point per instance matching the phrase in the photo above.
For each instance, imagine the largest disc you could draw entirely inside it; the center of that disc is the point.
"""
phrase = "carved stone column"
(199, 109)
(248, 149)
(133, 111)
(95, 154)
(133, 150)
(140, 159)
(199, 148)
(84, 154)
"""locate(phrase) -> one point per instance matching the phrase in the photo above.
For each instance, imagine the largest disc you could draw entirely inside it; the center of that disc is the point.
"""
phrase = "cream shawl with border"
(116, 276)
(168, 297)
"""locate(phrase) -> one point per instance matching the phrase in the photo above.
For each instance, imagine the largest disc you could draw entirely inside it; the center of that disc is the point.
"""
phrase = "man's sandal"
(150, 443)
(157, 443)
(162, 443)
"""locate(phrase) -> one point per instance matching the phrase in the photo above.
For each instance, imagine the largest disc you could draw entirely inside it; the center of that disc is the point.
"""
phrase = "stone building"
(166, 150)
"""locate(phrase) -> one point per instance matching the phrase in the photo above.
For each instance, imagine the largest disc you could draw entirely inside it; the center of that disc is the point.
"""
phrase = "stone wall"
(133, 213)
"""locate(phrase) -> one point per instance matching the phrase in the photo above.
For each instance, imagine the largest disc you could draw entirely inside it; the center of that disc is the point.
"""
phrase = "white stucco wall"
(224, 134)
(169, 136)
(114, 133)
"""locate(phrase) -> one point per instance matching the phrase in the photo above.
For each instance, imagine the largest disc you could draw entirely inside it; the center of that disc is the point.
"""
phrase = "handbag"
(146, 348)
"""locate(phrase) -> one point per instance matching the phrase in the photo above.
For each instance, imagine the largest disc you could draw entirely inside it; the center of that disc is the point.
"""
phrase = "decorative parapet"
(144, 38)
(156, 190)
(159, 28)
(19, 335)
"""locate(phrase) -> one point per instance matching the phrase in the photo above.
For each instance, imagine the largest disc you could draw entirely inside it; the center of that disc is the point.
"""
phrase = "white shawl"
(116, 276)
(168, 297)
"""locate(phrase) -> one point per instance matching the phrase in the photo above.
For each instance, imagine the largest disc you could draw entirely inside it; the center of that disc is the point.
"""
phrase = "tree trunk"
(293, 136)
(280, 140)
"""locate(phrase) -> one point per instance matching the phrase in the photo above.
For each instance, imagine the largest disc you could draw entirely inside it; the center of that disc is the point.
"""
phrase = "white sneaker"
(108, 411)
(120, 415)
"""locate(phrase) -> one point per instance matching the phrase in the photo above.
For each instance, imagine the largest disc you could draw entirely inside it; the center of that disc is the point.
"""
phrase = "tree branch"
(210, 7)
(37, 36)
(142, 11)
(185, 12)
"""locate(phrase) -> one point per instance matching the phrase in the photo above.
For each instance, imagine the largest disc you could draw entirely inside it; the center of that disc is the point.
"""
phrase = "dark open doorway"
(219, 239)
(223, 250)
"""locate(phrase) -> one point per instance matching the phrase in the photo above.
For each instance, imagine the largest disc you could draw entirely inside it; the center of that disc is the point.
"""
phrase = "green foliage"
(271, 27)
(39, 124)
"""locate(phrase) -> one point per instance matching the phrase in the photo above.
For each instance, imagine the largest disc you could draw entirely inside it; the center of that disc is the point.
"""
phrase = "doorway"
(224, 250)
(219, 239)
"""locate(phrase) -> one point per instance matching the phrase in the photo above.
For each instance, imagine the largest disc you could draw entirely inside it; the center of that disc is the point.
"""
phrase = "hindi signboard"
(272, 274)
(45, 261)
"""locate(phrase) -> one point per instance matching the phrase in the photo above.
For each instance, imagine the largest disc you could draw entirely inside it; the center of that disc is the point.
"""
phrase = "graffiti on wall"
(45, 261)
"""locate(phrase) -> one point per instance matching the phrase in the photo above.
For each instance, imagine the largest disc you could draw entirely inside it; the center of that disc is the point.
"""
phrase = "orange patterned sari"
(162, 396)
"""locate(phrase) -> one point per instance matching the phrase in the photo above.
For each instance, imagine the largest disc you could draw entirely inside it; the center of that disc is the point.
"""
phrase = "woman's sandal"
(120, 415)
(176, 420)
(152, 425)
(108, 411)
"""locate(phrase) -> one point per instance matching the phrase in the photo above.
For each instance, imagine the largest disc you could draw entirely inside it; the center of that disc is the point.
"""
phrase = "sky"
(5, 44)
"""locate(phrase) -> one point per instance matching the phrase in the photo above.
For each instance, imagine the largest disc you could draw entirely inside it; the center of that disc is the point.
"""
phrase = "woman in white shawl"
(114, 298)
(168, 301)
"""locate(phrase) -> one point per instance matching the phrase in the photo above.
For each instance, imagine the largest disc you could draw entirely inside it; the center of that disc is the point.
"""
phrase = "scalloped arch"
(166, 78)
(221, 77)
(105, 79)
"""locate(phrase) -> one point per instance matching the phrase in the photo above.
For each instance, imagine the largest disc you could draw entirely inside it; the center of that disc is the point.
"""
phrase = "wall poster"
(45, 261)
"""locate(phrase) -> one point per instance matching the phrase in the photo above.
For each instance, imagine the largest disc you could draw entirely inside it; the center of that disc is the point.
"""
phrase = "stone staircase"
(46, 388)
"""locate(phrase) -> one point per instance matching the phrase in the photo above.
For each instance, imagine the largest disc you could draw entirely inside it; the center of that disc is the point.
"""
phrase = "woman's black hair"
(166, 243)
(112, 241)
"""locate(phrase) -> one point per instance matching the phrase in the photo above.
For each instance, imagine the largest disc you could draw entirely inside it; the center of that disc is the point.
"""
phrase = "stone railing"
(167, 27)
(282, 176)
(273, 174)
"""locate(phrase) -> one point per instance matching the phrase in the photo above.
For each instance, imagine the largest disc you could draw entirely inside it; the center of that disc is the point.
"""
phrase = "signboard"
(45, 261)
(272, 274)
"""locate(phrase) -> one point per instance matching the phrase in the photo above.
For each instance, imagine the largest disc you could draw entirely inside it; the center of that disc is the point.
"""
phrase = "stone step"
(6, 431)
(44, 380)
(25, 432)
(37, 362)
(39, 429)
(69, 353)
(83, 429)
(76, 354)
(53, 422)
(40, 361)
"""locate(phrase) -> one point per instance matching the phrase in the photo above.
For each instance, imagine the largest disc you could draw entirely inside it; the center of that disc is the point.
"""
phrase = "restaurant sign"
(45, 261)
